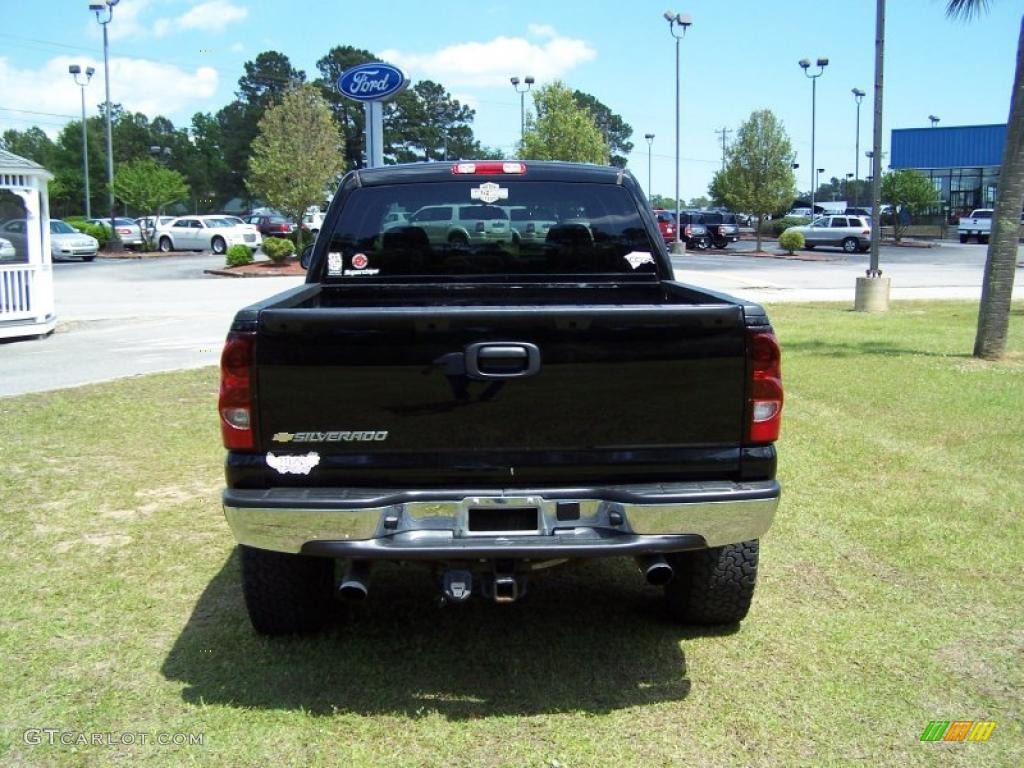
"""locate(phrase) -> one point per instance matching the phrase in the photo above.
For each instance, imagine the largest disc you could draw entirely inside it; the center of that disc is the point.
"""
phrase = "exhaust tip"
(656, 570)
(354, 591)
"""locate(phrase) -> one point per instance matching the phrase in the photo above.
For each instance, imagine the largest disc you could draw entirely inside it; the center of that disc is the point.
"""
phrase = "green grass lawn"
(890, 593)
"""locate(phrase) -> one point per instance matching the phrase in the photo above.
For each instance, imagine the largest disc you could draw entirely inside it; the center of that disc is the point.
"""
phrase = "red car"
(271, 226)
(667, 224)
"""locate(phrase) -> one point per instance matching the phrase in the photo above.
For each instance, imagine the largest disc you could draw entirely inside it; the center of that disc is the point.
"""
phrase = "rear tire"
(218, 246)
(850, 245)
(286, 594)
(963, 238)
(713, 586)
(457, 238)
(165, 245)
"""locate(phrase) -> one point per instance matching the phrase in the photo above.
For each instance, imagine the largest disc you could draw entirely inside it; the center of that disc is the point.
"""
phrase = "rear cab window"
(595, 229)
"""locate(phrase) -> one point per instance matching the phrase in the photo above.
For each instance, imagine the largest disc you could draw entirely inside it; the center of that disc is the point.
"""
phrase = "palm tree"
(1001, 260)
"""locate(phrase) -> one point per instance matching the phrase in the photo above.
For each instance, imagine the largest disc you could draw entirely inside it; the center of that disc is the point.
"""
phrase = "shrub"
(776, 227)
(791, 241)
(101, 233)
(238, 256)
(278, 249)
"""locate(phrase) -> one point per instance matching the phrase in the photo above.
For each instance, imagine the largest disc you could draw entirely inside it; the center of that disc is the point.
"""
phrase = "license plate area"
(502, 519)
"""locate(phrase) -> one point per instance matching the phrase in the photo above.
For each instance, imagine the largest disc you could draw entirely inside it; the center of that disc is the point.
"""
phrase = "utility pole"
(724, 132)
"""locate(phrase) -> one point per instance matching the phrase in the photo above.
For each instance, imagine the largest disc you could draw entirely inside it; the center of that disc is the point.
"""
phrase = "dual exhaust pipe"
(457, 585)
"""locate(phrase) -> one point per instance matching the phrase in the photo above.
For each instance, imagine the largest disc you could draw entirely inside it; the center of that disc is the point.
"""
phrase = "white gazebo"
(26, 279)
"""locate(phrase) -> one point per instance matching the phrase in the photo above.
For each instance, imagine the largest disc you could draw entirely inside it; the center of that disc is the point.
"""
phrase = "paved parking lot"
(128, 317)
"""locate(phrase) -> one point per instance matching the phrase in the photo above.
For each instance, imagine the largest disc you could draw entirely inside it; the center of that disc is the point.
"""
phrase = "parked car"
(201, 233)
(68, 242)
(243, 225)
(531, 223)
(851, 233)
(463, 224)
(722, 228)
(7, 250)
(667, 224)
(129, 232)
(694, 231)
(271, 225)
(312, 221)
(149, 224)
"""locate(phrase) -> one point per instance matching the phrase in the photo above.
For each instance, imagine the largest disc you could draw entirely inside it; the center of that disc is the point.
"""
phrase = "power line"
(52, 43)
(33, 112)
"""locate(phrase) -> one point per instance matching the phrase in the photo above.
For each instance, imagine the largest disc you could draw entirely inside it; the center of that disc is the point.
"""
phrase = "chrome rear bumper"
(570, 522)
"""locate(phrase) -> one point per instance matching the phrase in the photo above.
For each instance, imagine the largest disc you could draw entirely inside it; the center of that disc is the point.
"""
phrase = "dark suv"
(722, 228)
(694, 231)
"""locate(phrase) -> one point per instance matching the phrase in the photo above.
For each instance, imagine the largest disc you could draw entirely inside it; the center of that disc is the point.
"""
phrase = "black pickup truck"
(489, 406)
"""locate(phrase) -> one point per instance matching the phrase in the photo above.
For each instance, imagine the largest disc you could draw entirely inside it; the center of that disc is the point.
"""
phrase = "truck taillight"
(235, 404)
(688, 231)
(764, 408)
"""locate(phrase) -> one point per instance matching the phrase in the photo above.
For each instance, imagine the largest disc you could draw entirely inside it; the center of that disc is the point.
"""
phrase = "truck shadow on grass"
(587, 638)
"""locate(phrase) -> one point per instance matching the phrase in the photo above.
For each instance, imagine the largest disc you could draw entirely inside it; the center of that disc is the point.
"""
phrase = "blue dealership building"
(961, 161)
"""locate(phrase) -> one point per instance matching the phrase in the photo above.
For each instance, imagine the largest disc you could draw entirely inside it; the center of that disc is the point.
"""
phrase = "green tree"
(562, 130)
(614, 130)
(758, 176)
(699, 202)
(1001, 260)
(296, 154)
(907, 192)
(428, 124)
(32, 144)
(660, 202)
(146, 186)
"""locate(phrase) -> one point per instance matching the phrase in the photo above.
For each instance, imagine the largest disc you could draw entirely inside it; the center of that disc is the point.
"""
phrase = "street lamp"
(74, 70)
(114, 243)
(681, 21)
(934, 119)
(805, 65)
(650, 141)
(527, 81)
(858, 96)
(817, 183)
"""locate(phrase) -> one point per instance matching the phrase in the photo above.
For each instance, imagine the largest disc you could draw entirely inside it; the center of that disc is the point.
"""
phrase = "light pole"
(650, 141)
(74, 70)
(681, 21)
(817, 183)
(527, 81)
(114, 243)
(934, 120)
(848, 177)
(805, 65)
(858, 96)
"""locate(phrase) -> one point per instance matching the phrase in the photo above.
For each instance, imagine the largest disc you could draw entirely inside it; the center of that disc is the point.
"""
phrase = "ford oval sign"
(372, 82)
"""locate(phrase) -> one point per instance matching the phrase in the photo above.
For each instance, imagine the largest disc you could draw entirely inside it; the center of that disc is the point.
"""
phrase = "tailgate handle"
(502, 360)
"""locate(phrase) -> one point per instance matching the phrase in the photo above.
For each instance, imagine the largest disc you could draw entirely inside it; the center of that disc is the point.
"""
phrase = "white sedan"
(202, 233)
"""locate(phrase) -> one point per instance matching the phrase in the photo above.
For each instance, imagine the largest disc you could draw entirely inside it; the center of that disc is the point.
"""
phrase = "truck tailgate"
(394, 396)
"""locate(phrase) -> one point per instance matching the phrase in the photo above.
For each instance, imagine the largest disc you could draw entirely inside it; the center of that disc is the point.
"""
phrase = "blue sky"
(176, 57)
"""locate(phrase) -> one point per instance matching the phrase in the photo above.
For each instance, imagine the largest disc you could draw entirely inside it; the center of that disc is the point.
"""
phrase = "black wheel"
(165, 245)
(713, 586)
(963, 238)
(809, 246)
(88, 258)
(458, 238)
(850, 245)
(720, 242)
(218, 246)
(286, 594)
(702, 244)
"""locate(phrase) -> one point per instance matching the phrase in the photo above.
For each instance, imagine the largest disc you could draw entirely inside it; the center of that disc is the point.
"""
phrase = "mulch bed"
(290, 268)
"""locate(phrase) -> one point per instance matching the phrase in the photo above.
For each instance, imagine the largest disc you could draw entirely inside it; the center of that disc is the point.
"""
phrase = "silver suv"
(464, 224)
(851, 233)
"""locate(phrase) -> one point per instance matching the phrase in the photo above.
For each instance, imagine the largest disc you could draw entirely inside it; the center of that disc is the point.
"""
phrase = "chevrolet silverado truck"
(977, 225)
(491, 408)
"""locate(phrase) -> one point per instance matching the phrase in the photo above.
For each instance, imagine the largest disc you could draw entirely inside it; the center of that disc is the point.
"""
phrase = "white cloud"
(237, 48)
(212, 16)
(492, 62)
(138, 84)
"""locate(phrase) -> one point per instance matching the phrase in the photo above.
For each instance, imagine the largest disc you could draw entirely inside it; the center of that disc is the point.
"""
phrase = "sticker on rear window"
(359, 261)
(636, 258)
(333, 264)
(488, 192)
